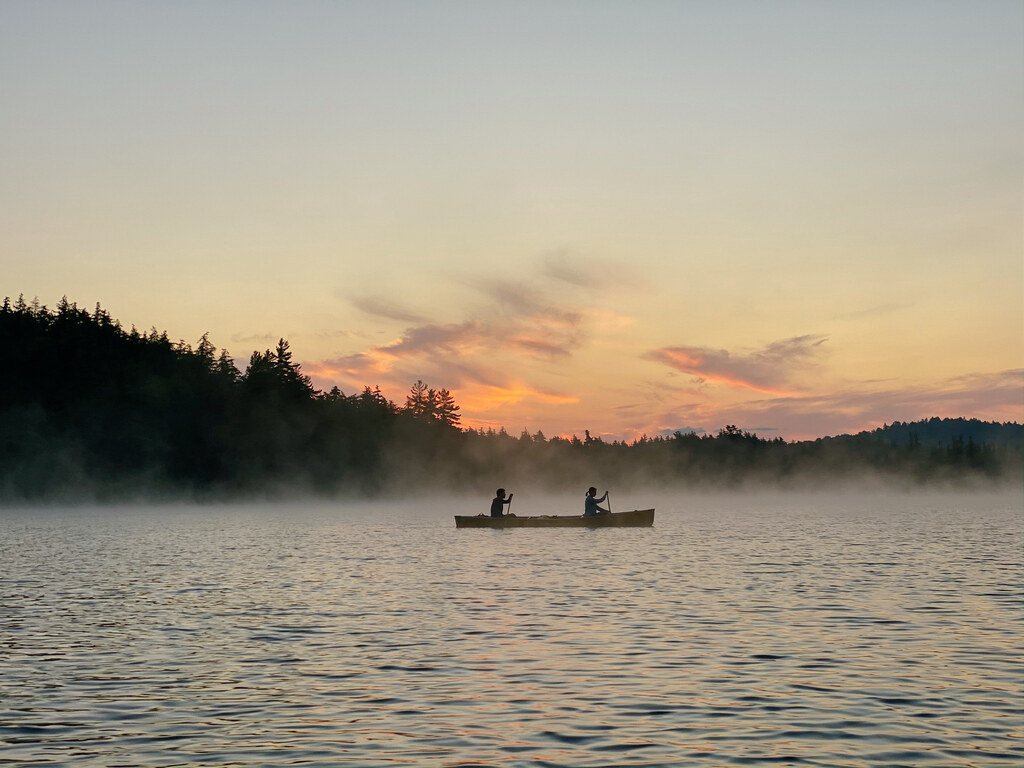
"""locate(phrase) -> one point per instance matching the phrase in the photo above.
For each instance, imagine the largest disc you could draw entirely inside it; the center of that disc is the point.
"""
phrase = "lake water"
(817, 630)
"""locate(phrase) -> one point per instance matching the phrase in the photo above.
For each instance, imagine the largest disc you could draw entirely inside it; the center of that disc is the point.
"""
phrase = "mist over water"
(742, 629)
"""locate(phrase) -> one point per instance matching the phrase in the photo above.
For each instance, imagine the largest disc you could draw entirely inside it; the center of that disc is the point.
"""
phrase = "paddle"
(608, 498)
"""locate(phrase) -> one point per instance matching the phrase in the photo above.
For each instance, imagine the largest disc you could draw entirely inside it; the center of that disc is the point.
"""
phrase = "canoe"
(637, 518)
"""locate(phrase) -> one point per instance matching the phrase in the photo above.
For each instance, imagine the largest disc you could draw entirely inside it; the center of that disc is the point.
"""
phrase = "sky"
(799, 217)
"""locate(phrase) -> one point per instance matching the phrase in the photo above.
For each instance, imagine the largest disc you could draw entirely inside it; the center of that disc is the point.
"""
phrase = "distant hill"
(936, 432)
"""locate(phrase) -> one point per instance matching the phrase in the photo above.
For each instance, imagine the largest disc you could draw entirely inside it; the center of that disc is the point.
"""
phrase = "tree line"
(92, 411)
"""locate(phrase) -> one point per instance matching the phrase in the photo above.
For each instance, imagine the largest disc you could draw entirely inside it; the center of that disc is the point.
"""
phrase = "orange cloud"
(488, 398)
(990, 397)
(520, 320)
(765, 370)
(365, 368)
(857, 407)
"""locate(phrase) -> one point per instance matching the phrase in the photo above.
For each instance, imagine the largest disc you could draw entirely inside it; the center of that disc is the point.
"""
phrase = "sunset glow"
(802, 219)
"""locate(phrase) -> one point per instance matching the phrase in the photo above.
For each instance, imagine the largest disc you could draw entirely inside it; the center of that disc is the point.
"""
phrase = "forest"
(91, 412)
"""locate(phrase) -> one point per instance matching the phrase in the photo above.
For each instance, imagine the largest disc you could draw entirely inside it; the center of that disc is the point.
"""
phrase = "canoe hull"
(637, 518)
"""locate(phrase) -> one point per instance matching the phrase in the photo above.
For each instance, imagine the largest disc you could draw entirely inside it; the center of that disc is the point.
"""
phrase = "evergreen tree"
(445, 409)
(88, 409)
(421, 401)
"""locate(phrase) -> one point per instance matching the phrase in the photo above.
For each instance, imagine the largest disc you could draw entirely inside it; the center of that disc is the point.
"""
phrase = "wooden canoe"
(637, 518)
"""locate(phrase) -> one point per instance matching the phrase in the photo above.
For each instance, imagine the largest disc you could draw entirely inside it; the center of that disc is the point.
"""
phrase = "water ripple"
(807, 632)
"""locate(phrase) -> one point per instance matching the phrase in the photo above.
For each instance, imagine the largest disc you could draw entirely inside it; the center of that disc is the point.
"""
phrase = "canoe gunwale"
(634, 518)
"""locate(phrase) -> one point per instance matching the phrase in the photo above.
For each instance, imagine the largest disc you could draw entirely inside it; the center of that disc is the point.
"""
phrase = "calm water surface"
(785, 630)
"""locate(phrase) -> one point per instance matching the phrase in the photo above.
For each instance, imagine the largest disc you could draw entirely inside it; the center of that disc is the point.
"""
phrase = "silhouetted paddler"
(590, 504)
(499, 502)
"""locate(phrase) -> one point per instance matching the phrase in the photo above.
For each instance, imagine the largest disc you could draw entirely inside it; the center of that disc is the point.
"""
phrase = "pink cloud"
(435, 339)
(991, 397)
(766, 370)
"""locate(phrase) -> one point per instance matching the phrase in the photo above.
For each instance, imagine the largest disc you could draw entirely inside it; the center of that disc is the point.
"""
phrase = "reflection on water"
(787, 631)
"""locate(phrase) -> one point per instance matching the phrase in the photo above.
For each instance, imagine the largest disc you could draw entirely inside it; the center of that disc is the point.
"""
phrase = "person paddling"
(590, 504)
(499, 502)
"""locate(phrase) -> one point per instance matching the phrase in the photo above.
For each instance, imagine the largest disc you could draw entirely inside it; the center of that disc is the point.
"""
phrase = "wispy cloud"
(254, 338)
(350, 370)
(498, 354)
(564, 266)
(432, 339)
(988, 396)
(494, 359)
(572, 269)
(480, 388)
(767, 370)
(511, 297)
(380, 307)
(503, 321)
(488, 397)
(468, 357)
(542, 347)
(526, 317)
(876, 310)
(853, 408)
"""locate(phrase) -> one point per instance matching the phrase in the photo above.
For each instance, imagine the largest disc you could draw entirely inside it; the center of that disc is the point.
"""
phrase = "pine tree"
(445, 409)
(420, 401)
